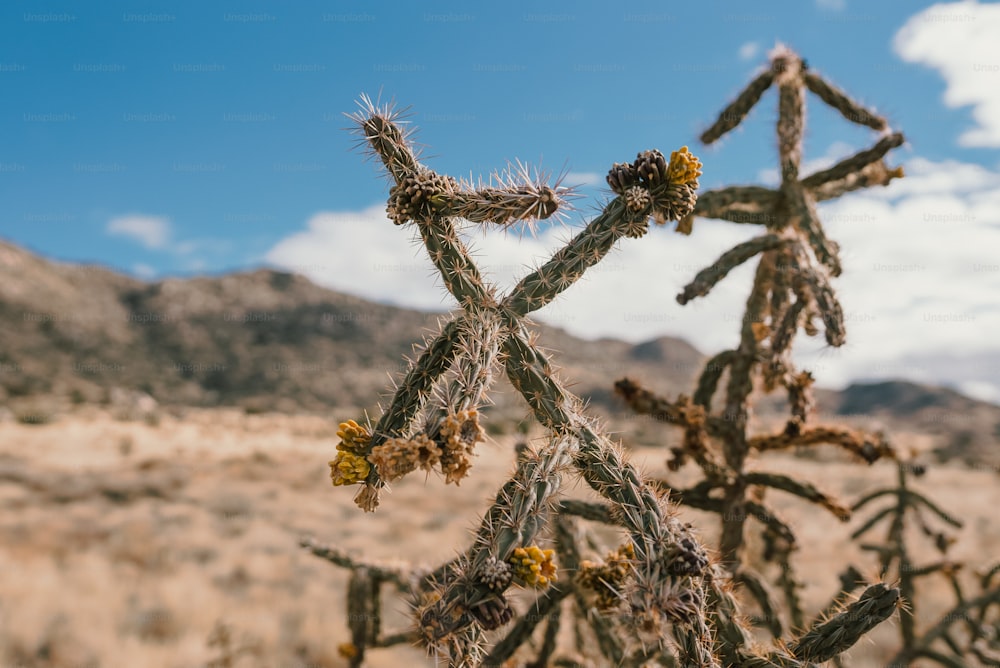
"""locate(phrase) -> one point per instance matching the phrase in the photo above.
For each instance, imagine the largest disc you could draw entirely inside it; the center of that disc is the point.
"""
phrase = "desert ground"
(134, 542)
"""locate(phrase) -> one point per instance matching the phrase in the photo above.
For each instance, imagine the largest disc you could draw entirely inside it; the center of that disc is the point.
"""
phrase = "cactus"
(662, 582)
(791, 288)
(969, 631)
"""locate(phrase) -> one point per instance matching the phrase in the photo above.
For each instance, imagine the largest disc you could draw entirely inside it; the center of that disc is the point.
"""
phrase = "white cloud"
(364, 254)
(920, 275)
(143, 270)
(982, 390)
(959, 40)
(835, 5)
(583, 179)
(749, 50)
(153, 232)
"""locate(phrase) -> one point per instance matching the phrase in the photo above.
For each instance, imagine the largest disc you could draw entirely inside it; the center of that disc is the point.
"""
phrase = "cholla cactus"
(968, 632)
(791, 289)
(665, 583)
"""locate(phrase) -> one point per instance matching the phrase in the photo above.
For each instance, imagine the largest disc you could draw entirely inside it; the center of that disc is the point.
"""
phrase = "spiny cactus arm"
(546, 606)
(761, 593)
(826, 300)
(872, 521)
(668, 558)
(947, 567)
(410, 396)
(804, 490)
(871, 496)
(568, 535)
(781, 287)
(650, 186)
(988, 655)
(516, 516)
(916, 498)
(790, 584)
(451, 426)
(738, 204)
(737, 110)
(828, 639)
(514, 197)
(682, 413)
(407, 637)
(568, 264)
(839, 100)
(869, 447)
(942, 627)
(791, 115)
(708, 381)
(783, 334)
(363, 613)
(802, 207)
(734, 441)
(855, 163)
(875, 174)
(595, 512)
(380, 131)
(395, 575)
(697, 498)
(549, 639)
(850, 581)
(956, 661)
(770, 519)
(453, 261)
(706, 279)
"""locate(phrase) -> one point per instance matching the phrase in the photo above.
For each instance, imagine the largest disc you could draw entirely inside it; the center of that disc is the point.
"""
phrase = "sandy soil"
(126, 543)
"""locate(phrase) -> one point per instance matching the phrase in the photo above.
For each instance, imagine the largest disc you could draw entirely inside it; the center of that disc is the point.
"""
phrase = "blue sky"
(186, 138)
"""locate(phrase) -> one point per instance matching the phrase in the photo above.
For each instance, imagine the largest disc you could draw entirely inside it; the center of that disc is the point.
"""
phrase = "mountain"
(262, 339)
(273, 341)
(964, 429)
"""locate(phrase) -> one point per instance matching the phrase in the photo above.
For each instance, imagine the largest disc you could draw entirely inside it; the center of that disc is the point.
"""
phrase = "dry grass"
(125, 543)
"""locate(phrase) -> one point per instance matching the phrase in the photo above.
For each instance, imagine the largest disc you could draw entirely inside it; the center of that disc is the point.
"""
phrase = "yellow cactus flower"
(684, 166)
(348, 468)
(353, 437)
(534, 566)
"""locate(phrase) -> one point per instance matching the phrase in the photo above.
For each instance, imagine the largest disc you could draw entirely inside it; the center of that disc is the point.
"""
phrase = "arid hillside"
(270, 341)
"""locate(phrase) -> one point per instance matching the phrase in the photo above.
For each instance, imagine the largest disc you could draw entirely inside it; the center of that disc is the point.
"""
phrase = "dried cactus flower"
(353, 437)
(348, 468)
(534, 566)
(621, 177)
(398, 456)
(684, 167)
(419, 195)
(459, 434)
(495, 574)
(492, 613)
(675, 203)
(462, 429)
(636, 199)
(607, 580)
(347, 650)
(651, 167)
(687, 558)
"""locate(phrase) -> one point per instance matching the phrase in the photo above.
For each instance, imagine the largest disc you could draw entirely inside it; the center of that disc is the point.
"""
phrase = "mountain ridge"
(270, 340)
